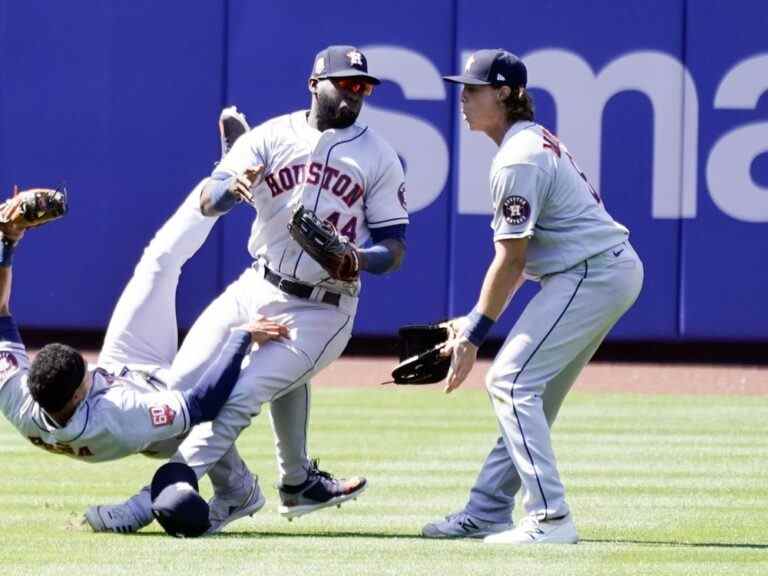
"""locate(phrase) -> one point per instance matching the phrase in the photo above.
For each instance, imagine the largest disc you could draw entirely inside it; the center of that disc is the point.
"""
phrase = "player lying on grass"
(131, 402)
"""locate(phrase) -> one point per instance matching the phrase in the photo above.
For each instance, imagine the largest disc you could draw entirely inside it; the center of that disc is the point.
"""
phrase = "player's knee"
(154, 262)
(491, 380)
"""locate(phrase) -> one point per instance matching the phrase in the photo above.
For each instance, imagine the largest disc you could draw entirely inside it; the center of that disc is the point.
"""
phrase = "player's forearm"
(216, 197)
(386, 256)
(6, 276)
(501, 280)
(208, 395)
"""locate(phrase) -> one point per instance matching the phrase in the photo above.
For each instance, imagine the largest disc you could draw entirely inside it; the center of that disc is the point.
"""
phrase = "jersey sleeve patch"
(516, 210)
(161, 415)
(9, 365)
(401, 196)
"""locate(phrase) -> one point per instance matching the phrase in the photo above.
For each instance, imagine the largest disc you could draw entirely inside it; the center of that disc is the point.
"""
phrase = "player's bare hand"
(263, 330)
(242, 185)
(455, 327)
(9, 228)
(463, 357)
(11, 233)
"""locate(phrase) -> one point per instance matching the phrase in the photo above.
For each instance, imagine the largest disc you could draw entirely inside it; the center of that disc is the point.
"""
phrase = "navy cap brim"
(466, 80)
(350, 73)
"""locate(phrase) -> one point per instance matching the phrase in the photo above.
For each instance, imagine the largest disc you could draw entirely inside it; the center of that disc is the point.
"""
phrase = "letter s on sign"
(418, 142)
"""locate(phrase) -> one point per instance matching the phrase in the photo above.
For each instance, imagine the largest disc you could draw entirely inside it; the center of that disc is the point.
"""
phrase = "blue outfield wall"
(662, 102)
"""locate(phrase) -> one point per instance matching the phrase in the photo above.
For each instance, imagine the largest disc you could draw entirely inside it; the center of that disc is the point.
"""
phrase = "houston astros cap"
(176, 503)
(342, 62)
(495, 67)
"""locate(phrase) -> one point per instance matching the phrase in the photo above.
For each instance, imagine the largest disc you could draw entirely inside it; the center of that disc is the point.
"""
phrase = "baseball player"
(323, 159)
(550, 225)
(131, 402)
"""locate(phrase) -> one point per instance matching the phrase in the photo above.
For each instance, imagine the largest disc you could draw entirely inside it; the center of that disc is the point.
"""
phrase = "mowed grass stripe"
(662, 485)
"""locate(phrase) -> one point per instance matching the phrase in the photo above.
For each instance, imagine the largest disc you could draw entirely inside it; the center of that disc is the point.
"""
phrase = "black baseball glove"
(334, 252)
(421, 361)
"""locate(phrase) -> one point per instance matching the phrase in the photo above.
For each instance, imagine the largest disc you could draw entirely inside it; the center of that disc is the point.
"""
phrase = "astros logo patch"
(355, 58)
(516, 210)
(401, 196)
(162, 415)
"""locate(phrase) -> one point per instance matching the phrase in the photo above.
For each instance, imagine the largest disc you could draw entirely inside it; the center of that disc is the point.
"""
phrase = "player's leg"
(492, 497)
(236, 491)
(123, 518)
(318, 335)
(491, 500)
(553, 339)
(143, 327)
(303, 487)
(289, 416)
(204, 339)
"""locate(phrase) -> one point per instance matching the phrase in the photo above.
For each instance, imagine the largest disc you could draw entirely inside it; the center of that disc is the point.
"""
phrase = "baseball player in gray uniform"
(131, 402)
(323, 159)
(550, 225)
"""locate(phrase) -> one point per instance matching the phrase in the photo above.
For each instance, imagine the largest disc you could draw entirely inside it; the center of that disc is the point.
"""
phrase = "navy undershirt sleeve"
(379, 258)
(222, 200)
(397, 232)
(9, 332)
(207, 397)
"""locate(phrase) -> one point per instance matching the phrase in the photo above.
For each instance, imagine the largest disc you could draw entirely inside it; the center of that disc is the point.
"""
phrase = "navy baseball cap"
(342, 62)
(495, 67)
(176, 503)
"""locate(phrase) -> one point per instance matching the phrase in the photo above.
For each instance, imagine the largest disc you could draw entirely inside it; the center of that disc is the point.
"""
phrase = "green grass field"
(661, 485)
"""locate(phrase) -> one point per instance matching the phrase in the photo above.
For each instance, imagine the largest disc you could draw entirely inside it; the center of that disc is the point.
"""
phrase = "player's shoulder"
(274, 125)
(377, 144)
(524, 144)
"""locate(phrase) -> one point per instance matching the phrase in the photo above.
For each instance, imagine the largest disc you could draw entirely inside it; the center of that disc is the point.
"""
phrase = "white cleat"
(462, 525)
(232, 125)
(533, 531)
(117, 518)
(222, 513)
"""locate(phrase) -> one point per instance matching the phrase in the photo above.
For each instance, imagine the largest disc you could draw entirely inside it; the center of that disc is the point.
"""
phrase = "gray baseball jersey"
(356, 191)
(589, 274)
(540, 192)
(120, 416)
(349, 177)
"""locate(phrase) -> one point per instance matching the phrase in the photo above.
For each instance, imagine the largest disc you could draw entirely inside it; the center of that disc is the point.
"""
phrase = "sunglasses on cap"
(354, 85)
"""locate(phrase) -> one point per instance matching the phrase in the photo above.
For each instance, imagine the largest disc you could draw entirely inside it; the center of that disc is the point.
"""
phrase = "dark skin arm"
(396, 247)
(9, 234)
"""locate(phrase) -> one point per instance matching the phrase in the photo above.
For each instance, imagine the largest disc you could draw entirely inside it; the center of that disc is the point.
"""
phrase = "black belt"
(298, 289)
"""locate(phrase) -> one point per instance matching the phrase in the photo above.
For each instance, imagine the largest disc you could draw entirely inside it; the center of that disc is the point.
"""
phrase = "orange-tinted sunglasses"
(354, 85)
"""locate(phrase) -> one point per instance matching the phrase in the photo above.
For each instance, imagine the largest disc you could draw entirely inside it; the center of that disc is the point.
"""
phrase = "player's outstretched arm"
(9, 239)
(223, 191)
(206, 398)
